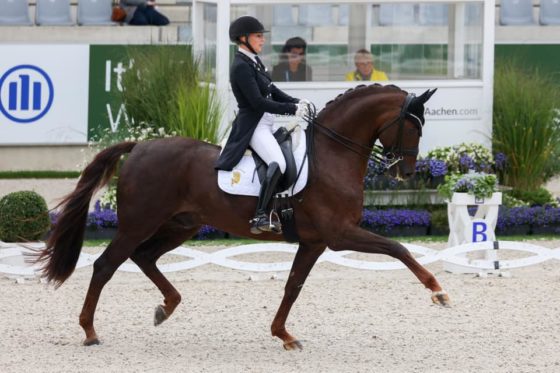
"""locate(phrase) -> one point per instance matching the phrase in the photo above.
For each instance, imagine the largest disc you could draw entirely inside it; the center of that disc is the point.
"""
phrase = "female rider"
(257, 99)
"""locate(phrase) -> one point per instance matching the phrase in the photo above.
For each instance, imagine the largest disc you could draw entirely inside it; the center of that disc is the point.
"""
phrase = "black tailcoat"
(255, 95)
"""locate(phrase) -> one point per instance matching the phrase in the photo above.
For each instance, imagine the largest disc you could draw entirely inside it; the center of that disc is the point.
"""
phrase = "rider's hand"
(302, 109)
(305, 101)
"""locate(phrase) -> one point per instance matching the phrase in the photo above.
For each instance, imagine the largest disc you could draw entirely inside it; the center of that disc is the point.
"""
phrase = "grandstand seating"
(53, 12)
(516, 12)
(549, 12)
(95, 12)
(14, 12)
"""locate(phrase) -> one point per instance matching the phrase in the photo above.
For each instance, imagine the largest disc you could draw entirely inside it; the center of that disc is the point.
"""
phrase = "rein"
(377, 153)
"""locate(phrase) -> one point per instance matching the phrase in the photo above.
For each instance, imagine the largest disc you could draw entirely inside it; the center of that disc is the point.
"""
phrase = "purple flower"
(430, 168)
(206, 232)
(101, 217)
(508, 217)
(437, 167)
(500, 160)
(386, 220)
(466, 163)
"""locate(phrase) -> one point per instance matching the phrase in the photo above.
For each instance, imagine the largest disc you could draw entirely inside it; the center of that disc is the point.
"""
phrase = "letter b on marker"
(479, 231)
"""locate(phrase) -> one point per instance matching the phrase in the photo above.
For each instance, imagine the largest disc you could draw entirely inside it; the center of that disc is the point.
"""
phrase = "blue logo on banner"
(26, 93)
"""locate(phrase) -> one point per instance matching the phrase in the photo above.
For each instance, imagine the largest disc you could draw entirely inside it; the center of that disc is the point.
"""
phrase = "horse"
(167, 188)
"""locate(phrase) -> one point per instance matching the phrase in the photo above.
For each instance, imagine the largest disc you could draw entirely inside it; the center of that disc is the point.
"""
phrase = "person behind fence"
(143, 13)
(292, 66)
(365, 69)
(257, 100)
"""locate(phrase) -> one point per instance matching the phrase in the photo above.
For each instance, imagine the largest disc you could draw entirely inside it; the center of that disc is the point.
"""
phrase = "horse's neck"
(357, 121)
(342, 159)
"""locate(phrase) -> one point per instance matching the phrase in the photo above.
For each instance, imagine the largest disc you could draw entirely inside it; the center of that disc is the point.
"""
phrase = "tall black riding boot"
(261, 221)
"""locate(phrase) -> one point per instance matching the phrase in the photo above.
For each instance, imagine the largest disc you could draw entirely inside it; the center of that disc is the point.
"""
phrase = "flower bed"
(102, 222)
(391, 222)
(430, 171)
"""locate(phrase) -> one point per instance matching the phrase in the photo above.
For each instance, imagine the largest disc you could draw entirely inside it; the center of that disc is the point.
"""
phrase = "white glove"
(305, 101)
(302, 109)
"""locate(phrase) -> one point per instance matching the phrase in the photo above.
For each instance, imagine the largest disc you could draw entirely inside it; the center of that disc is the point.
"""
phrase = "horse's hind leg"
(167, 238)
(103, 269)
(357, 239)
(306, 257)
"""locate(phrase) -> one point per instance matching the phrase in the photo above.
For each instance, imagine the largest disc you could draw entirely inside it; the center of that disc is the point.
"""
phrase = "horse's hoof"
(91, 341)
(293, 345)
(159, 316)
(442, 298)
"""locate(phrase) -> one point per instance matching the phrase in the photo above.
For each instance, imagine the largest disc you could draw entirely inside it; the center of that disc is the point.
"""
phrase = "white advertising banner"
(43, 94)
(456, 113)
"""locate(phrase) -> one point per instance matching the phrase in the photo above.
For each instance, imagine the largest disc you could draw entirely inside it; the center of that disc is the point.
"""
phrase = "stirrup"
(261, 223)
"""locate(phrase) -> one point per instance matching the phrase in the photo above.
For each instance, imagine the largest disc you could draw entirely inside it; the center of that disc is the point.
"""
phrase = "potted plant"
(431, 172)
(471, 189)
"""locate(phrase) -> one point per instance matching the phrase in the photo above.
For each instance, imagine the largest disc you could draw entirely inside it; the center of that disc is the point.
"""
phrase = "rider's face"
(256, 41)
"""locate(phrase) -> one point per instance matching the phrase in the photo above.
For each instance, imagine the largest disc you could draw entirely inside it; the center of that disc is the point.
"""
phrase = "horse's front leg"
(357, 239)
(306, 257)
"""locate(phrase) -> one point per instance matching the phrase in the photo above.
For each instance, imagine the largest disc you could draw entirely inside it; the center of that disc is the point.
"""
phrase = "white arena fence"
(12, 261)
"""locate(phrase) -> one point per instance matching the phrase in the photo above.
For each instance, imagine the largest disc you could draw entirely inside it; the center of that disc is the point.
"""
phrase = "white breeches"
(264, 143)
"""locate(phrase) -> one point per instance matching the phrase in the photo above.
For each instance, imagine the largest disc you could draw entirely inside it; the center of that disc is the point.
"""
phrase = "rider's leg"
(261, 221)
(265, 145)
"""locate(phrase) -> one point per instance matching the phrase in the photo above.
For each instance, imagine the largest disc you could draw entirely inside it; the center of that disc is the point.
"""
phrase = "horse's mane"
(358, 91)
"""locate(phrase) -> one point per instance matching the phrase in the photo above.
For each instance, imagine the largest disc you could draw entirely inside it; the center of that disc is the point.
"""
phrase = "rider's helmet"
(244, 25)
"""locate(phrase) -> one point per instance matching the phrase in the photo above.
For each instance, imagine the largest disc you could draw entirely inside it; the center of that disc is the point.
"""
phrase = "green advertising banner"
(108, 63)
(106, 110)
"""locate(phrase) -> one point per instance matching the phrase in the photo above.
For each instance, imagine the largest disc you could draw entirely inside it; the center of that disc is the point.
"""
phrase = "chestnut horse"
(167, 189)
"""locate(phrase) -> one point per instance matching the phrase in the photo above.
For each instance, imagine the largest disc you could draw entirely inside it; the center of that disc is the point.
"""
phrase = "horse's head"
(400, 137)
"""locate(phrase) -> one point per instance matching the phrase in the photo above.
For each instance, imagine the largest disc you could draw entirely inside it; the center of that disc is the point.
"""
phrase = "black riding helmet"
(243, 26)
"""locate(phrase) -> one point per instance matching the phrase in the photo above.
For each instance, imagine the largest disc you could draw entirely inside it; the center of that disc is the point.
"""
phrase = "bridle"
(388, 157)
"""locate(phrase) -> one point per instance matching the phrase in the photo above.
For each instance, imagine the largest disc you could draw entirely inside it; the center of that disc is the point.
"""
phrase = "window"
(406, 40)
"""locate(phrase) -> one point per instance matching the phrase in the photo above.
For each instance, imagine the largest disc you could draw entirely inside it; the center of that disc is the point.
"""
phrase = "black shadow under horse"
(168, 188)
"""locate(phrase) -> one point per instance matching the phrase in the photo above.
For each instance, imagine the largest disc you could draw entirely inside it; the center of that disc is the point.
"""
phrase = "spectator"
(291, 66)
(365, 70)
(143, 13)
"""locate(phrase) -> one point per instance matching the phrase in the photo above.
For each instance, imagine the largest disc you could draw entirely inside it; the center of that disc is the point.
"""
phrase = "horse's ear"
(424, 97)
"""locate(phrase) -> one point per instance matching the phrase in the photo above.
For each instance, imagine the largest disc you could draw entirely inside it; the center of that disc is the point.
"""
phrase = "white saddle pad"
(243, 180)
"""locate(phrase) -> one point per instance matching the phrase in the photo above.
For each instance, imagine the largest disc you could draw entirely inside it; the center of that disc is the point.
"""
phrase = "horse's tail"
(62, 249)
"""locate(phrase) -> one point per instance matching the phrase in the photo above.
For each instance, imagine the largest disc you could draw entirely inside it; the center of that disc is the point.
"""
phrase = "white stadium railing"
(12, 261)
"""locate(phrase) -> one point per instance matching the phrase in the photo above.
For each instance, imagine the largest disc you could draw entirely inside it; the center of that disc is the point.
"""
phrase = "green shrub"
(439, 221)
(525, 126)
(23, 217)
(539, 197)
(166, 90)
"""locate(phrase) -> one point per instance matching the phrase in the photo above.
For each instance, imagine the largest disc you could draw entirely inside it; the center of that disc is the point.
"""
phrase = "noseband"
(390, 156)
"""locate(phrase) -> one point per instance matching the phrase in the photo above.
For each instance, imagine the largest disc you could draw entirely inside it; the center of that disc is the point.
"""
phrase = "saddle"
(245, 178)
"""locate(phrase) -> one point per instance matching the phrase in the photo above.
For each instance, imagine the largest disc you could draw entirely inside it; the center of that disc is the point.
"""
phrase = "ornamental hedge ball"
(23, 217)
